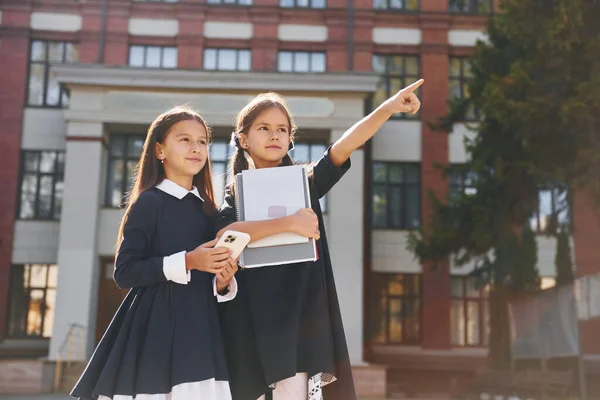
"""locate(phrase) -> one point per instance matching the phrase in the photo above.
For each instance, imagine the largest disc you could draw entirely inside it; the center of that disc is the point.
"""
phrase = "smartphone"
(234, 240)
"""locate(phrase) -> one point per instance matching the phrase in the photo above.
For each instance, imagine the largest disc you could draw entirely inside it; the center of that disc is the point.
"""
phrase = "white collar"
(175, 190)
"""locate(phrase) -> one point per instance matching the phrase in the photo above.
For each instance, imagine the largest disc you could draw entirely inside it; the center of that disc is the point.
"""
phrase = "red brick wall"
(14, 50)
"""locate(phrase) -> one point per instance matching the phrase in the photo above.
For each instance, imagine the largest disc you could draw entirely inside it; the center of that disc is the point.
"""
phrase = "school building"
(80, 81)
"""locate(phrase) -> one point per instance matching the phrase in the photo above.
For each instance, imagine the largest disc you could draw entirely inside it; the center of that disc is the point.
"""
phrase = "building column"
(345, 210)
(78, 262)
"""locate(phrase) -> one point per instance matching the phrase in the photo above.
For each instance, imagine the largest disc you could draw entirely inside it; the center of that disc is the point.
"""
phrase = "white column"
(78, 263)
(345, 236)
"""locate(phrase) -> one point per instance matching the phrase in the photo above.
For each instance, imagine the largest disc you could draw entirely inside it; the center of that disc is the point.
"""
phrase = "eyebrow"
(266, 123)
(189, 134)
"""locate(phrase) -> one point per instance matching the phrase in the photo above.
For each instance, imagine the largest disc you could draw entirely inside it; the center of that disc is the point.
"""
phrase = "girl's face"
(268, 138)
(184, 151)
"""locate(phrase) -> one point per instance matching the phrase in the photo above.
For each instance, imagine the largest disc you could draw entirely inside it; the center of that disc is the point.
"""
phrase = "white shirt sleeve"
(233, 289)
(175, 270)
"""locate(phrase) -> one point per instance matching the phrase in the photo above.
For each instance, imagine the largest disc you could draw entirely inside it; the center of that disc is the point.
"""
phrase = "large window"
(43, 88)
(469, 314)
(458, 83)
(471, 6)
(396, 195)
(219, 157)
(153, 56)
(303, 3)
(397, 72)
(309, 152)
(32, 300)
(227, 59)
(231, 2)
(301, 61)
(460, 182)
(41, 185)
(553, 210)
(402, 5)
(395, 314)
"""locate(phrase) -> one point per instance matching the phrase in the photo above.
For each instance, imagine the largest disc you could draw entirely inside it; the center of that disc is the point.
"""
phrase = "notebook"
(269, 193)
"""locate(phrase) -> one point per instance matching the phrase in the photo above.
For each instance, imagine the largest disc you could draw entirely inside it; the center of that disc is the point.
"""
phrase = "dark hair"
(149, 172)
(244, 121)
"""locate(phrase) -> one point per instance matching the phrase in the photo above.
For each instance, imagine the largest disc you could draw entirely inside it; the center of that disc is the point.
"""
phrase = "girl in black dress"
(165, 340)
(283, 333)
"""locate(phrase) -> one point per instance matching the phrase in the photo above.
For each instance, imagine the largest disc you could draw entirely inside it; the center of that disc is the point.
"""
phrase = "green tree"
(563, 260)
(536, 87)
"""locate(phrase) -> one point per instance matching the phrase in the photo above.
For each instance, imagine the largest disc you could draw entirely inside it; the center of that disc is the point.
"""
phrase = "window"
(395, 315)
(471, 6)
(404, 5)
(43, 88)
(227, 60)
(458, 84)
(157, 1)
(309, 152)
(32, 300)
(460, 182)
(469, 315)
(234, 2)
(396, 72)
(302, 3)
(396, 195)
(41, 186)
(219, 156)
(123, 155)
(301, 61)
(153, 56)
(553, 210)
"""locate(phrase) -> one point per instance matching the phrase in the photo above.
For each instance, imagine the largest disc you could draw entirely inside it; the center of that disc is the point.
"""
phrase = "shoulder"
(148, 201)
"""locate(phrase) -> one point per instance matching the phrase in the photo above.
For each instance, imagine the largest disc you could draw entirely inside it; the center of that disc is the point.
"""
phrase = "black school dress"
(286, 319)
(165, 340)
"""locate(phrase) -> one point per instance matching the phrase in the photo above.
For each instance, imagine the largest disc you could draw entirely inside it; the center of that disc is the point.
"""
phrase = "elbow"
(121, 279)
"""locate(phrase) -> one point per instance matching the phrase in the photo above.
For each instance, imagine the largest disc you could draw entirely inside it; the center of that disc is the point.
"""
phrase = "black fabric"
(286, 319)
(164, 333)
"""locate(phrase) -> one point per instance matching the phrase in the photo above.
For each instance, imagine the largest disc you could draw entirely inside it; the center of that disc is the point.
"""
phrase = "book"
(269, 193)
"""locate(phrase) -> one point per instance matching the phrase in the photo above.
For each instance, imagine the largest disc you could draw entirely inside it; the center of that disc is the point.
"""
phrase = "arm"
(261, 229)
(133, 266)
(403, 101)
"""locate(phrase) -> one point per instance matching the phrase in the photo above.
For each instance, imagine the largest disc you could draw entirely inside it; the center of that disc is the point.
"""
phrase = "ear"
(160, 153)
(243, 141)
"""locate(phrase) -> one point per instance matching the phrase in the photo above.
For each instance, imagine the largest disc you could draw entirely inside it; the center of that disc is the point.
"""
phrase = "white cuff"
(175, 270)
(233, 289)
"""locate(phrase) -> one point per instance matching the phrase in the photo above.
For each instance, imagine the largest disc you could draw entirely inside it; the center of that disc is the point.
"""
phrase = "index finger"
(411, 88)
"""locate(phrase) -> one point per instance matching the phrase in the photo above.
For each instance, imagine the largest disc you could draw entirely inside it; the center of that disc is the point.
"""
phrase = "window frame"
(404, 224)
(406, 79)
(237, 58)
(58, 176)
(309, 6)
(22, 334)
(462, 80)
(295, 53)
(482, 301)
(125, 158)
(238, 3)
(145, 47)
(472, 7)
(312, 149)
(388, 7)
(46, 63)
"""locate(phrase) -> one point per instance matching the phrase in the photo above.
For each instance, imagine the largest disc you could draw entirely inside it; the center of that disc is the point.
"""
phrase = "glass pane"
(136, 56)
(36, 85)
(18, 301)
(286, 3)
(472, 288)
(31, 159)
(169, 57)
(64, 97)
(412, 173)
(484, 7)
(416, 284)
(455, 70)
(45, 198)
(380, 94)
(130, 168)
(395, 318)
(379, 206)
(378, 64)
(458, 286)
(317, 62)
(117, 146)
(380, 4)
(455, 5)
(227, 60)
(218, 180)
(301, 153)
(411, 65)
(396, 204)
(210, 59)
(395, 173)
(411, 4)
(466, 65)
(301, 62)
(244, 60)
(377, 317)
(219, 151)
(52, 276)
(115, 183)
(134, 147)
(60, 164)
(379, 172)
(153, 57)
(34, 313)
(396, 285)
(38, 51)
(473, 323)
(49, 312)
(302, 3)
(56, 51)
(39, 274)
(28, 191)
(396, 4)
(397, 65)
(486, 322)
(411, 320)
(59, 189)
(71, 53)
(47, 161)
(457, 323)
(318, 3)
(317, 151)
(53, 90)
(413, 206)
(284, 61)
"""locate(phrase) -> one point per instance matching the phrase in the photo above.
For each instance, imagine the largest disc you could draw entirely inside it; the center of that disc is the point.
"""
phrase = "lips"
(274, 147)
(194, 159)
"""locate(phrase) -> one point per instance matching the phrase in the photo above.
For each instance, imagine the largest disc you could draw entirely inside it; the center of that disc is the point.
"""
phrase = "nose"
(196, 147)
(274, 135)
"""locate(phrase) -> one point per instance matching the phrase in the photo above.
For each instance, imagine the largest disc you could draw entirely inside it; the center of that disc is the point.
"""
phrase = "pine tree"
(563, 261)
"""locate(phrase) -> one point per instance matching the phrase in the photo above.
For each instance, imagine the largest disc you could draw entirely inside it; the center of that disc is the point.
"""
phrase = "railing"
(72, 345)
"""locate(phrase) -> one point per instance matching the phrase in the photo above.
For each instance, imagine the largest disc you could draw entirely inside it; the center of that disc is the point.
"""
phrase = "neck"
(185, 181)
(266, 164)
